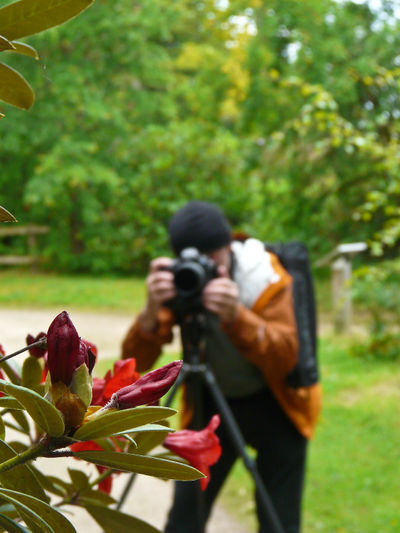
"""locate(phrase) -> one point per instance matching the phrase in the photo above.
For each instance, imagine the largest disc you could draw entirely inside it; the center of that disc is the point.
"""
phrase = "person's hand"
(160, 288)
(221, 296)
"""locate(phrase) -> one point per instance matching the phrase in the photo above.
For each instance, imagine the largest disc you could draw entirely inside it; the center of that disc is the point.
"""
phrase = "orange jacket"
(265, 334)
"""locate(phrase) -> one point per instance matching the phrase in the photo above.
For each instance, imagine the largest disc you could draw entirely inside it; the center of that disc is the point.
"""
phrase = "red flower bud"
(147, 389)
(123, 374)
(36, 351)
(200, 448)
(63, 349)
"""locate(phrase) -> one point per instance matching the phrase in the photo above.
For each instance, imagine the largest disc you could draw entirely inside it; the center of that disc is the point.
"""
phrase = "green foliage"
(376, 288)
(285, 113)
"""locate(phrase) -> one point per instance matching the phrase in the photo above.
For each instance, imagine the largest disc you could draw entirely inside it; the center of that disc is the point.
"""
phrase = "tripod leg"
(240, 446)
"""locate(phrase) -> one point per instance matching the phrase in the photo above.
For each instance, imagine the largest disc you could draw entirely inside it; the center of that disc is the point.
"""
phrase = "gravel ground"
(149, 498)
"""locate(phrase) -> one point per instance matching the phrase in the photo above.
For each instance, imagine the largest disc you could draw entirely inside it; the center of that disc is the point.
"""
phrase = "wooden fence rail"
(30, 232)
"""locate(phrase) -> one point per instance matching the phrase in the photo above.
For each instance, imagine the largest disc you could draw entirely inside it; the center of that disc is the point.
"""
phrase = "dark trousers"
(281, 454)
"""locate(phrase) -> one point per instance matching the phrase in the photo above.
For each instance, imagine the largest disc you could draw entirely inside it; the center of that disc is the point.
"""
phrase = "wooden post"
(341, 293)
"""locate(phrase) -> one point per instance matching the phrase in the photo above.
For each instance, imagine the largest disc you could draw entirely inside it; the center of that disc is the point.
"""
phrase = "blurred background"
(286, 113)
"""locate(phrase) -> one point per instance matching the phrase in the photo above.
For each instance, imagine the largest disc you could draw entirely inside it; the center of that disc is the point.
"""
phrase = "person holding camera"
(251, 345)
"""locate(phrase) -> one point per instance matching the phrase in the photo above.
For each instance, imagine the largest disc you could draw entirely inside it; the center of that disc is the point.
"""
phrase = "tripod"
(194, 374)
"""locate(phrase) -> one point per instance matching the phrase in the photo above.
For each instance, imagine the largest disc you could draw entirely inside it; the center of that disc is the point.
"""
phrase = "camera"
(192, 271)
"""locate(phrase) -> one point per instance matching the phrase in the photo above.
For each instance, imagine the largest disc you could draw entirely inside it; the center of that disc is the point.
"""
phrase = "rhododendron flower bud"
(37, 351)
(200, 448)
(147, 389)
(86, 355)
(124, 374)
(63, 349)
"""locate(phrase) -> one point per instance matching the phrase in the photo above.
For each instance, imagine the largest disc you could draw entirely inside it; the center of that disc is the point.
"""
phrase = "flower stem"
(23, 457)
(40, 343)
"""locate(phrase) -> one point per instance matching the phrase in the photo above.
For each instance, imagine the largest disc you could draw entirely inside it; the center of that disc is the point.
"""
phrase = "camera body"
(192, 271)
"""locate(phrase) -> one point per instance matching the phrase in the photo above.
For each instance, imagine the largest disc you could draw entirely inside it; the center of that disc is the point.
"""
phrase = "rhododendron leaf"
(79, 479)
(38, 515)
(6, 216)
(96, 497)
(31, 373)
(24, 49)
(148, 440)
(81, 384)
(41, 410)
(113, 521)
(21, 419)
(27, 17)
(21, 477)
(5, 44)
(8, 402)
(11, 526)
(14, 89)
(50, 483)
(10, 373)
(141, 464)
(112, 422)
(2, 429)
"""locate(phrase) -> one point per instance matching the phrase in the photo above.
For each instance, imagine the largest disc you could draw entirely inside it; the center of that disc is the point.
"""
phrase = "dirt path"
(149, 498)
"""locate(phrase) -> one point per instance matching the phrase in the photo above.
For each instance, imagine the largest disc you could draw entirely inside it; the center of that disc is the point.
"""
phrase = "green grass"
(22, 288)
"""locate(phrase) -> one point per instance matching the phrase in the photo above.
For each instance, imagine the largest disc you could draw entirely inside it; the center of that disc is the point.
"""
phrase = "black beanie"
(201, 225)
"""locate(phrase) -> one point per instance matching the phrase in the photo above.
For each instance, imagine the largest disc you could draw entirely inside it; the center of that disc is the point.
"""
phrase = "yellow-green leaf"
(14, 89)
(21, 477)
(44, 516)
(31, 373)
(141, 464)
(8, 402)
(149, 440)
(5, 216)
(5, 44)
(27, 17)
(113, 422)
(24, 49)
(41, 410)
(79, 479)
(116, 522)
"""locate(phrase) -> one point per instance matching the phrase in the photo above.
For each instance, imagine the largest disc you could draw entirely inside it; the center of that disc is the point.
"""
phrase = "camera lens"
(189, 278)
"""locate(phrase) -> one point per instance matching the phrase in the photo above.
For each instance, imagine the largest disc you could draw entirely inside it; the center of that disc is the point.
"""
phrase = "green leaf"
(11, 373)
(79, 479)
(27, 17)
(5, 44)
(113, 521)
(21, 419)
(50, 483)
(14, 89)
(8, 402)
(113, 422)
(41, 410)
(2, 429)
(96, 497)
(11, 526)
(147, 441)
(31, 373)
(42, 515)
(5, 216)
(24, 49)
(82, 383)
(21, 477)
(141, 464)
